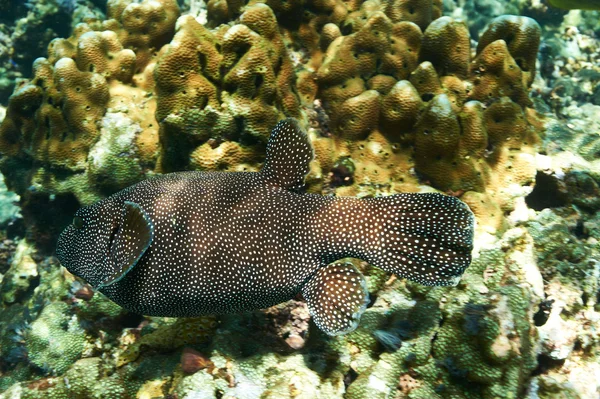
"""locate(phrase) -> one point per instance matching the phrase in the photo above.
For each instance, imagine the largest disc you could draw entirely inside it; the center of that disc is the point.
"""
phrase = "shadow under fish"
(192, 243)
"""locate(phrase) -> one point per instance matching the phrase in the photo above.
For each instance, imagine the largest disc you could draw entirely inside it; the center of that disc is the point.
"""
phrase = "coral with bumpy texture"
(396, 82)
(466, 122)
(234, 83)
(85, 120)
(380, 47)
(55, 339)
(53, 120)
(171, 335)
(446, 45)
(143, 27)
(313, 24)
(226, 156)
(476, 340)
(21, 277)
(522, 38)
(102, 52)
(87, 117)
(494, 73)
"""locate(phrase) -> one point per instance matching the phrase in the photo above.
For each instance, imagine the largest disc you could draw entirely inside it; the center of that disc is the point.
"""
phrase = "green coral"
(21, 277)
(167, 334)
(99, 306)
(113, 162)
(55, 339)
(200, 383)
(472, 341)
(86, 378)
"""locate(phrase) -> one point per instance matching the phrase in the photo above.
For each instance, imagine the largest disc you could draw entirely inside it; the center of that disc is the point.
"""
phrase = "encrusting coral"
(54, 341)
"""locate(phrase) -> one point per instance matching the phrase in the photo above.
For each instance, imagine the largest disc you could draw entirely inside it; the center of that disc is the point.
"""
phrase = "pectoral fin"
(336, 296)
(131, 241)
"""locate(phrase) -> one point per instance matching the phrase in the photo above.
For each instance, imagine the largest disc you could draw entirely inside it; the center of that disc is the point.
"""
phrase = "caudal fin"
(427, 238)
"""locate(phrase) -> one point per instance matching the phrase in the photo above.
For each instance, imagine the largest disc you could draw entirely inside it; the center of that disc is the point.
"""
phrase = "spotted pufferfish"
(193, 243)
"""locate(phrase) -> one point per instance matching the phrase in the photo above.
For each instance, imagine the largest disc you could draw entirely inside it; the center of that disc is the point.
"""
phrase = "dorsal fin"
(131, 241)
(288, 155)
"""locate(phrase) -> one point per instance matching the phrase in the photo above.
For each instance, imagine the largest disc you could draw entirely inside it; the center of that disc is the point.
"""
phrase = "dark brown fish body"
(194, 243)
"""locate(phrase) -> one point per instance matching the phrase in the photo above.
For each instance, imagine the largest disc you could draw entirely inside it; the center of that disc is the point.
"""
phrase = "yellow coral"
(54, 119)
(146, 26)
(234, 81)
(421, 12)
(447, 154)
(379, 47)
(402, 96)
(446, 44)
(170, 335)
(400, 108)
(227, 156)
(522, 37)
(57, 117)
(495, 73)
(458, 145)
(102, 52)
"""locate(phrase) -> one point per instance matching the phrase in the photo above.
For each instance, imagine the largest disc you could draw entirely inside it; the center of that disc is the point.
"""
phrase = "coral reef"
(112, 105)
(89, 122)
(79, 125)
(397, 98)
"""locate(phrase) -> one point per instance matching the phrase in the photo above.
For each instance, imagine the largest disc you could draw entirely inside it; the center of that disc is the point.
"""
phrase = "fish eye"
(78, 222)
